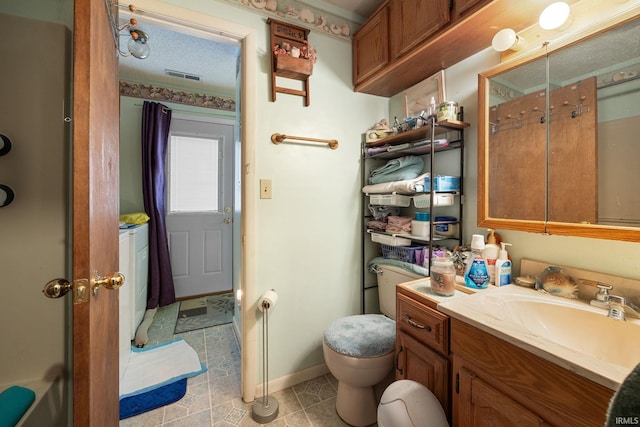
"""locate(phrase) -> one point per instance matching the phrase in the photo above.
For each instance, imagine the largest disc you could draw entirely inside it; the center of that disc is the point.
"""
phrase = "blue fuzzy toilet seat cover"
(364, 335)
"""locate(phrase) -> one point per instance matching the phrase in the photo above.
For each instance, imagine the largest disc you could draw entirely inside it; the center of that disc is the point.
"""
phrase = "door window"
(193, 174)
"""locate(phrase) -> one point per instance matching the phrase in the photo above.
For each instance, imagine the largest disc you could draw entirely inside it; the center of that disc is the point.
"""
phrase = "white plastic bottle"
(490, 254)
(503, 266)
(433, 110)
(476, 275)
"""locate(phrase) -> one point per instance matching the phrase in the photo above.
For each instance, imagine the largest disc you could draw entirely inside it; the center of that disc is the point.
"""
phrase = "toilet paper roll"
(268, 300)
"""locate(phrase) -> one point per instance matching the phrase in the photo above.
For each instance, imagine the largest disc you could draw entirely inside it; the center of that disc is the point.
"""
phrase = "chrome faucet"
(602, 296)
(616, 307)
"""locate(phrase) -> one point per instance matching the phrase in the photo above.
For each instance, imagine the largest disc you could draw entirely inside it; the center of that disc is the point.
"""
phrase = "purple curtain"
(156, 119)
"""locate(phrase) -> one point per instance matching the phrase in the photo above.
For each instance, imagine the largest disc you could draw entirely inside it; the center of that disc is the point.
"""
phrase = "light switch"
(265, 188)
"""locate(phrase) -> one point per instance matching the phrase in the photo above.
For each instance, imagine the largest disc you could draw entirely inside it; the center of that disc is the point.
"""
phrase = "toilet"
(359, 350)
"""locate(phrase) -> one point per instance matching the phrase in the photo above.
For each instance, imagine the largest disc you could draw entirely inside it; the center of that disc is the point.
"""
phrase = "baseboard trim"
(236, 332)
(293, 379)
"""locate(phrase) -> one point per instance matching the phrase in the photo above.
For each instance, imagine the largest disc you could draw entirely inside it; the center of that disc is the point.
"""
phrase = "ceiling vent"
(182, 75)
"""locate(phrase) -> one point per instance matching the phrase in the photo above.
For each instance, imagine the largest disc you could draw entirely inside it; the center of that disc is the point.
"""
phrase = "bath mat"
(205, 312)
(143, 402)
(153, 367)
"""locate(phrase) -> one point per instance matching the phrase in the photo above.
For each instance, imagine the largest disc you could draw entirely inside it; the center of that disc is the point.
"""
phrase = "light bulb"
(554, 15)
(506, 39)
(138, 45)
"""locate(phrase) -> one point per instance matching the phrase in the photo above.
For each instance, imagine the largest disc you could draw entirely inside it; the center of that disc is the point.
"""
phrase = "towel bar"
(278, 138)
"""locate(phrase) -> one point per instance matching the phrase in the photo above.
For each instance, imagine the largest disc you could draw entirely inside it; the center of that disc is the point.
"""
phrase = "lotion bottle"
(490, 254)
(503, 266)
(476, 275)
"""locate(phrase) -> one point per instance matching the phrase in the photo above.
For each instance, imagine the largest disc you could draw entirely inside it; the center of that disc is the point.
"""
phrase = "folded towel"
(14, 402)
(398, 224)
(156, 366)
(403, 186)
(399, 169)
(624, 407)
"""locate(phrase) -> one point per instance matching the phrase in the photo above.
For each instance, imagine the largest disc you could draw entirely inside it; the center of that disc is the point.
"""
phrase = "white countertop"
(479, 312)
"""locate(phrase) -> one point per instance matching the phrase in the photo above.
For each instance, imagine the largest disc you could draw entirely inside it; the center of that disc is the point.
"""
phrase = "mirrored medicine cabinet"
(559, 138)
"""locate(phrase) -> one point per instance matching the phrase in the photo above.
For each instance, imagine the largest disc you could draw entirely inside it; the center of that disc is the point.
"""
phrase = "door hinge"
(458, 383)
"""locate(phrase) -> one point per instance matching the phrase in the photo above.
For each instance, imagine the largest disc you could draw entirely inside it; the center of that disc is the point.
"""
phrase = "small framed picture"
(418, 97)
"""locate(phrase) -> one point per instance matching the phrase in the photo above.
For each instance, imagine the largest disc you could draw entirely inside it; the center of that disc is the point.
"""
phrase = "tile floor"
(213, 398)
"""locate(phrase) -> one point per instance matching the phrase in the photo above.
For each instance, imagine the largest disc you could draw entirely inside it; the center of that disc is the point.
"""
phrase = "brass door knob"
(114, 281)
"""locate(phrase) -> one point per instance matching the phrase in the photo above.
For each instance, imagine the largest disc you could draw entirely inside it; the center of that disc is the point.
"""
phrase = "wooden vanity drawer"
(426, 324)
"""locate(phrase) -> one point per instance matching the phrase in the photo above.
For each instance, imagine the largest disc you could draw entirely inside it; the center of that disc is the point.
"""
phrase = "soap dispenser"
(503, 266)
(476, 275)
(490, 254)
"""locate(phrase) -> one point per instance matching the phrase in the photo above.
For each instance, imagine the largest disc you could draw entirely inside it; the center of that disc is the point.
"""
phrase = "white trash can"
(406, 403)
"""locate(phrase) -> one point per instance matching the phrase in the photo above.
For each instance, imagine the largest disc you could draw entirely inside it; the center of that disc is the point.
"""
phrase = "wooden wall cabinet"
(499, 384)
(422, 346)
(371, 45)
(427, 36)
(464, 7)
(412, 21)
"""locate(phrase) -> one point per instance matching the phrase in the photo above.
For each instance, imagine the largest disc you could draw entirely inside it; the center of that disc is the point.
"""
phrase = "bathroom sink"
(589, 332)
(569, 332)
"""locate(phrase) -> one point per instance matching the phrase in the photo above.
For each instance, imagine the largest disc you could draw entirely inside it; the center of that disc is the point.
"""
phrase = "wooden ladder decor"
(289, 38)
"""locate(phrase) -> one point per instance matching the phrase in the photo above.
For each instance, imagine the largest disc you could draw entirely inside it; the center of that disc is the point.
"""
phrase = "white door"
(199, 205)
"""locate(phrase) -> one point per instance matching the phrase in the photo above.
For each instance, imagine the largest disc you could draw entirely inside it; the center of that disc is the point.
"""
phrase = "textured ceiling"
(214, 61)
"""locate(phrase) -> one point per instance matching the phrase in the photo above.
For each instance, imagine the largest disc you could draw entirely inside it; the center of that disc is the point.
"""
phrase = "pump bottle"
(476, 275)
(490, 254)
(503, 266)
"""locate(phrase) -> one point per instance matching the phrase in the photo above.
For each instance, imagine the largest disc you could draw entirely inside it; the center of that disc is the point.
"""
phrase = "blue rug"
(140, 403)
(156, 376)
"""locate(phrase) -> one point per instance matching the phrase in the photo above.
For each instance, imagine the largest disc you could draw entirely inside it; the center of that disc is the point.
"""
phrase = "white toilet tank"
(388, 277)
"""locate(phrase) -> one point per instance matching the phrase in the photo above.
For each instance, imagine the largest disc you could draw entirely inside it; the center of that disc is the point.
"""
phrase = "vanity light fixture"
(137, 46)
(554, 15)
(506, 39)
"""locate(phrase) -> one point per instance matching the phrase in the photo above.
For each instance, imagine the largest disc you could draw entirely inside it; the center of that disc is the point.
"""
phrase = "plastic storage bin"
(390, 200)
(389, 240)
(422, 201)
(443, 183)
(401, 253)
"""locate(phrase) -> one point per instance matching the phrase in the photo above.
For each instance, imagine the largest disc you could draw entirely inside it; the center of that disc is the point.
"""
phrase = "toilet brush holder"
(265, 410)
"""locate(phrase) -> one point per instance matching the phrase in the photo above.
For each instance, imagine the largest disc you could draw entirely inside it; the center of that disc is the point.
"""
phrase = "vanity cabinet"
(371, 45)
(480, 405)
(497, 383)
(422, 346)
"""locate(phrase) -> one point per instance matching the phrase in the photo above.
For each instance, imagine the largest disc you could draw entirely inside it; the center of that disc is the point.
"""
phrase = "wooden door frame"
(175, 15)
